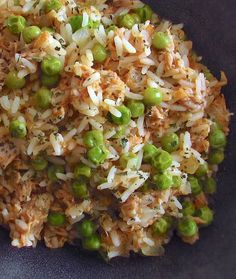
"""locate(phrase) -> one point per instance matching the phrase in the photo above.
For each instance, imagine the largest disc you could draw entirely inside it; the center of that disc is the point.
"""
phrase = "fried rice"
(124, 203)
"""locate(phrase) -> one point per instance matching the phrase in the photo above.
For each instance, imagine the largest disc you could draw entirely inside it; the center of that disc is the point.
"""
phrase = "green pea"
(48, 29)
(94, 24)
(187, 227)
(161, 226)
(86, 228)
(125, 116)
(111, 28)
(50, 81)
(195, 186)
(188, 208)
(99, 53)
(216, 157)
(97, 155)
(208, 75)
(80, 189)
(170, 142)
(12, 81)
(43, 98)
(177, 181)
(125, 158)
(53, 5)
(152, 96)
(206, 214)
(162, 160)
(161, 40)
(163, 181)
(76, 22)
(136, 18)
(217, 138)
(56, 219)
(30, 33)
(18, 129)
(39, 163)
(91, 243)
(145, 13)
(93, 138)
(16, 24)
(149, 151)
(120, 132)
(53, 171)
(127, 21)
(209, 185)
(82, 170)
(216, 126)
(136, 108)
(202, 170)
(51, 66)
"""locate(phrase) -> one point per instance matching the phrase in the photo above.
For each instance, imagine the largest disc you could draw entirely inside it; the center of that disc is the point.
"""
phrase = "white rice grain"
(186, 83)
(115, 238)
(100, 35)
(126, 147)
(115, 111)
(21, 224)
(137, 147)
(43, 183)
(140, 125)
(155, 78)
(177, 108)
(81, 37)
(96, 125)
(128, 47)
(47, 113)
(147, 61)
(133, 96)
(87, 162)
(148, 241)
(93, 78)
(70, 135)
(119, 46)
(15, 105)
(56, 141)
(23, 73)
(110, 102)
(109, 134)
(82, 125)
(5, 103)
(61, 176)
(25, 62)
(34, 141)
(85, 21)
(93, 95)
(133, 187)
(176, 202)
(111, 174)
(5, 213)
(27, 175)
(105, 185)
(139, 159)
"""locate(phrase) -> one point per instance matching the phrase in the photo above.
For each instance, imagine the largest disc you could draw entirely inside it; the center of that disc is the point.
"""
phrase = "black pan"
(211, 24)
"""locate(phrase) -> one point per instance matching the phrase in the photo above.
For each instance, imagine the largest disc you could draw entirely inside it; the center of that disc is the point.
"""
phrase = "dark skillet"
(211, 25)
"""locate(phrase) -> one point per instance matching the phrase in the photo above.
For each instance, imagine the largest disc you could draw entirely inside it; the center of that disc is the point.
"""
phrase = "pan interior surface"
(211, 26)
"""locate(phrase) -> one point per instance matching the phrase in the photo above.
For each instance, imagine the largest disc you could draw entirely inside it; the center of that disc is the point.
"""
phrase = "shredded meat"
(8, 152)
(220, 113)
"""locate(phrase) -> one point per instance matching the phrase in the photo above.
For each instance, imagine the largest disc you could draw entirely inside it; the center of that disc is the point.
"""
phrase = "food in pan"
(111, 129)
